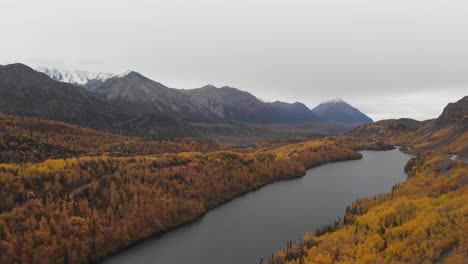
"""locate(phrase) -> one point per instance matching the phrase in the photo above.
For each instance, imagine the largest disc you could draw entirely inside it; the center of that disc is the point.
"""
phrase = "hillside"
(393, 131)
(24, 91)
(447, 133)
(25, 139)
(133, 92)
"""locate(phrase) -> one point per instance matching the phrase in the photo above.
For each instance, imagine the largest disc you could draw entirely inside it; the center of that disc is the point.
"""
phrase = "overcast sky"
(390, 59)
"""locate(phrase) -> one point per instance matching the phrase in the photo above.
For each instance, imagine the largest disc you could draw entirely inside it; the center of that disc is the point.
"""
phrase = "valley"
(234, 132)
(254, 225)
(87, 172)
(146, 192)
(423, 219)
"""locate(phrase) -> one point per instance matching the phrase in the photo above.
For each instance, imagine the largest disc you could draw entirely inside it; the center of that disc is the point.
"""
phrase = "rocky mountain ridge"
(131, 103)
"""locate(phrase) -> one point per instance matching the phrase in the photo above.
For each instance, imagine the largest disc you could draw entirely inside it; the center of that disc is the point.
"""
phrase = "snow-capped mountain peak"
(334, 101)
(123, 74)
(74, 76)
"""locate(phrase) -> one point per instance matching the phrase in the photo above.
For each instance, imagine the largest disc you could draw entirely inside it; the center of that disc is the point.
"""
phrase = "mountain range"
(208, 101)
(134, 104)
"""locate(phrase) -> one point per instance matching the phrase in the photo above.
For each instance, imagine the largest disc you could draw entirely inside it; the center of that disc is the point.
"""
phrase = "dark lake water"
(257, 224)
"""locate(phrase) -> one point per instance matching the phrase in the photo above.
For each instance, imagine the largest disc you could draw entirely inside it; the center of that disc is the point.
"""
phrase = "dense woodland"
(86, 195)
(423, 220)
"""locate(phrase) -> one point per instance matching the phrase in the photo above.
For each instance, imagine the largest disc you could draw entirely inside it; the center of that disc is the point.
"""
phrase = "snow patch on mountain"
(74, 76)
(124, 74)
(333, 101)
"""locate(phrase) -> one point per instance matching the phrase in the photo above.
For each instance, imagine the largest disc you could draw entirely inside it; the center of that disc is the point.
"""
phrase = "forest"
(423, 220)
(72, 195)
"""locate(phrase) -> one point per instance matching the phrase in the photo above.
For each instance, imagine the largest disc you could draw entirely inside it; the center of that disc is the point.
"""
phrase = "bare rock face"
(208, 98)
(232, 104)
(137, 93)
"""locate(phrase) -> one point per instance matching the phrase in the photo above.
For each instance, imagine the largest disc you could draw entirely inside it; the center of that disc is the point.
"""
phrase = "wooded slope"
(423, 220)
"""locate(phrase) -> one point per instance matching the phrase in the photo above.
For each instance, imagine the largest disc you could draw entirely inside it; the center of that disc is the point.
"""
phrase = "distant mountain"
(133, 104)
(133, 92)
(337, 110)
(232, 104)
(78, 77)
(25, 91)
(132, 87)
(137, 93)
(295, 112)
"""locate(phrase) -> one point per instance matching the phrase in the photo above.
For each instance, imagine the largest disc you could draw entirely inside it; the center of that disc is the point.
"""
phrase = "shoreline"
(161, 234)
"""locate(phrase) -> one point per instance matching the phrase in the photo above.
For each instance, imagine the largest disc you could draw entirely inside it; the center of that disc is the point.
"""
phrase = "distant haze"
(390, 59)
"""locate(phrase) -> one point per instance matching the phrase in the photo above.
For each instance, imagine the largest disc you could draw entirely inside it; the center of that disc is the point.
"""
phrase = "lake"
(259, 223)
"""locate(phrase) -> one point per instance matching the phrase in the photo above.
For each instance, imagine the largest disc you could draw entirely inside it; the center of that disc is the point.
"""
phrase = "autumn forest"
(79, 200)
(70, 194)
